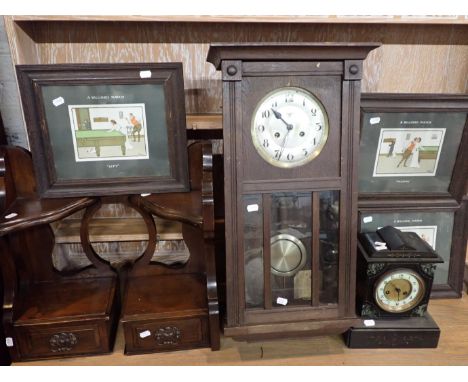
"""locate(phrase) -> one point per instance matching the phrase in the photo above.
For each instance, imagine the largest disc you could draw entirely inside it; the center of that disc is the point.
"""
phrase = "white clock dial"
(399, 291)
(289, 127)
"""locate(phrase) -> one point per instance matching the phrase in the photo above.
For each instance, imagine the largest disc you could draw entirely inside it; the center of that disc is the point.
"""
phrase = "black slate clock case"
(405, 250)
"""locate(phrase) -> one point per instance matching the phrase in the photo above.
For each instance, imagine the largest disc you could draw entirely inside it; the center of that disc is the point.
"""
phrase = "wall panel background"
(414, 58)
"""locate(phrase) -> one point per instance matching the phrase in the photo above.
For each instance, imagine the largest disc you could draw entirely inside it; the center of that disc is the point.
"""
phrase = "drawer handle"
(62, 342)
(170, 335)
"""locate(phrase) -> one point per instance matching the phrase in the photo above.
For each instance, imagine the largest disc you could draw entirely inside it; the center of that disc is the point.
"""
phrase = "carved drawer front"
(166, 335)
(61, 341)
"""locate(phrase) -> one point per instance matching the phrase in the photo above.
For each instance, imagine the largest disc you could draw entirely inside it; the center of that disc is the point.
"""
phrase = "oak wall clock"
(291, 136)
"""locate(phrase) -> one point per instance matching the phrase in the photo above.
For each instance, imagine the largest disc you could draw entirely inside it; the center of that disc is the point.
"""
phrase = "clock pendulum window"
(291, 132)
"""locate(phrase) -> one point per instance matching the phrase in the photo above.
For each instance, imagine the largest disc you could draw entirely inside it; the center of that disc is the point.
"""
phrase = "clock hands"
(398, 290)
(288, 126)
(278, 116)
(283, 144)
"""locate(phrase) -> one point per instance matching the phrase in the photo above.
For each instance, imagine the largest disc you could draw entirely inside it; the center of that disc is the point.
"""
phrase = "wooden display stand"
(176, 307)
(48, 314)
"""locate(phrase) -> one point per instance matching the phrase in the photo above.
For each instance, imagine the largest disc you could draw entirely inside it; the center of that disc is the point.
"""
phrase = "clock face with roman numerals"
(289, 127)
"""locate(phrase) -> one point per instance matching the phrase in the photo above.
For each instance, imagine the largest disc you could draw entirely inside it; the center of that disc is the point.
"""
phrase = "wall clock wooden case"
(291, 136)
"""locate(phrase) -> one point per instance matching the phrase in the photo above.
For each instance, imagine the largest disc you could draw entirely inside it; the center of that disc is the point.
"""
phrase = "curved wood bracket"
(157, 205)
(101, 264)
(33, 212)
(207, 192)
(146, 256)
(208, 244)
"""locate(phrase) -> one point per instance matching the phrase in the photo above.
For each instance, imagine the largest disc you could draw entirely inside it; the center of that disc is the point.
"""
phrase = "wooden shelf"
(204, 122)
(115, 229)
(312, 19)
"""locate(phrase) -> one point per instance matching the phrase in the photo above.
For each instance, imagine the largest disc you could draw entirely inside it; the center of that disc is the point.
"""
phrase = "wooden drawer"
(165, 335)
(49, 340)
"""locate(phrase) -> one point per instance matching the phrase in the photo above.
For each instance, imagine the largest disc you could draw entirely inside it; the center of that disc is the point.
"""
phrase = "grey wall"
(10, 107)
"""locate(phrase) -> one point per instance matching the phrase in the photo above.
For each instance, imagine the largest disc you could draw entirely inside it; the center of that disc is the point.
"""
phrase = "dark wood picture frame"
(454, 286)
(165, 114)
(454, 199)
(420, 103)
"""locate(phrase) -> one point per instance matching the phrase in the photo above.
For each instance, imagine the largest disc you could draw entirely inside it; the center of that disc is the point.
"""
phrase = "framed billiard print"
(119, 129)
(103, 129)
(413, 145)
(445, 230)
(403, 152)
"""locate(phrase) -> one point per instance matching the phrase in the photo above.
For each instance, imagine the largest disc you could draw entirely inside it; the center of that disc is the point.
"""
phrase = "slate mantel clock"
(291, 138)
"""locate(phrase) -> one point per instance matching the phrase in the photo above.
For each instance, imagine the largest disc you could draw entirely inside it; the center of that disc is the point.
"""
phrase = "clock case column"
(335, 72)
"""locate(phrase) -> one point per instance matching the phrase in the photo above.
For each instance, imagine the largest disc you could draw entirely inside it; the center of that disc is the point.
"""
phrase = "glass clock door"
(291, 249)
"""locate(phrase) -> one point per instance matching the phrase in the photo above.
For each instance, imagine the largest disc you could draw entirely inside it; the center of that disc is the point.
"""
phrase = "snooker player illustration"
(109, 132)
(136, 126)
(408, 152)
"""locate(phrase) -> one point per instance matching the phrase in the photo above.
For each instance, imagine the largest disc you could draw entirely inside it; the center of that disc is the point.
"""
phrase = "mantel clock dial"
(289, 127)
(399, 291)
